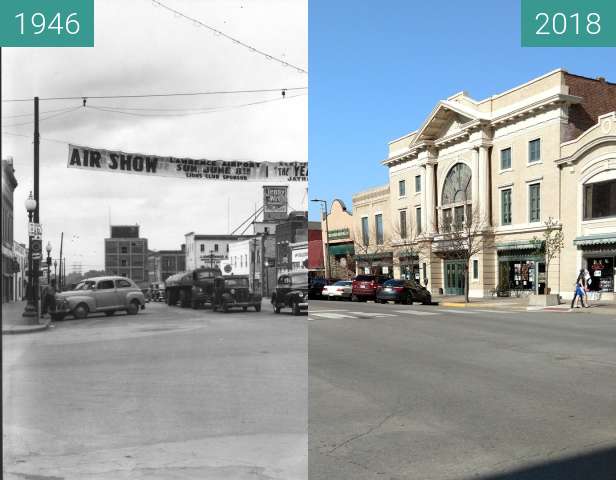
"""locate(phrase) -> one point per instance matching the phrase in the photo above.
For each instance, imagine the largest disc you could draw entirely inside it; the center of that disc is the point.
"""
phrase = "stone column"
(484, 186)
(475, 177)
(428, 202)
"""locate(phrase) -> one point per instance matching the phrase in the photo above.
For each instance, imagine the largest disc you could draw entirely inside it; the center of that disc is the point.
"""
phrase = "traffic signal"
(37, 246)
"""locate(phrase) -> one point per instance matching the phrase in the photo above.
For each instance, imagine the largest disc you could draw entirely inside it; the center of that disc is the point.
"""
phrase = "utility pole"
(36, 267)
(60, 283)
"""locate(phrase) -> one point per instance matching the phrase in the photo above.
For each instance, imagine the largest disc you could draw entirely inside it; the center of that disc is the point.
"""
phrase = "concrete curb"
(477, 304)
(19, 329)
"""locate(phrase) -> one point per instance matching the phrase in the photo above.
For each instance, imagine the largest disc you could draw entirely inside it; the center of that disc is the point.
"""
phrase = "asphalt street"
(427, 392)
(167, 394)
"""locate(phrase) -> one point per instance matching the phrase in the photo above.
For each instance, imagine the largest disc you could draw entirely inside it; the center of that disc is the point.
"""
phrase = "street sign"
(35, 256)
(35, 230)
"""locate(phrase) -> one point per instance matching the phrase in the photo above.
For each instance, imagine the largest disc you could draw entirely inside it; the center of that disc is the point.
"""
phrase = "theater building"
(508, 163)
(340, 245)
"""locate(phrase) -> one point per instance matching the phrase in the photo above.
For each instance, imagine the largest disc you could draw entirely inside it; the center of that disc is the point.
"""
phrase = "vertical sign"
(274, 202)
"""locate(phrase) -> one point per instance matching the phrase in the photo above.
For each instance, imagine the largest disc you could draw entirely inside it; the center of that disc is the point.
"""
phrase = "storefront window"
(519, 274)
(600, 200)
(601, 271)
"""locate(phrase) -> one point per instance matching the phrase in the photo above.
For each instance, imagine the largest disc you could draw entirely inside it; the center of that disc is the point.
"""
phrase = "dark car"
(315, 287)
(365, 286)
(291, 292)
(234, 292)
(403, 291)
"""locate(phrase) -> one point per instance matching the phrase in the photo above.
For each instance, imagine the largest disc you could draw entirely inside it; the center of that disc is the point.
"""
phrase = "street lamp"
(31, 309)
(48, 248)
(324, 211)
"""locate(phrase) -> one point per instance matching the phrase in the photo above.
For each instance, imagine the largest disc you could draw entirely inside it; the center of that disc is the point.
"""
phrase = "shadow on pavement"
(596, 465)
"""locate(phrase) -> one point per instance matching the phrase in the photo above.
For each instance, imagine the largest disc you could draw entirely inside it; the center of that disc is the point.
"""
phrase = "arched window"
(457, 196)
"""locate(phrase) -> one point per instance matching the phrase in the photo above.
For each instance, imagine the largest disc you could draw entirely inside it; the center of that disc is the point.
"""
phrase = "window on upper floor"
(534, 150)
(365, 231)
(401, 188)
(402, 223)
(505, 159)
(534, 202)
(506, 206)
(378, 226)
(417, 183)
(600, 200)
(418, 220)
(203, 247)
(215, 247)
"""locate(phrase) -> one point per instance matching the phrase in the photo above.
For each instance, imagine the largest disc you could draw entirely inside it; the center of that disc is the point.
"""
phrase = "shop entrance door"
(454, 277)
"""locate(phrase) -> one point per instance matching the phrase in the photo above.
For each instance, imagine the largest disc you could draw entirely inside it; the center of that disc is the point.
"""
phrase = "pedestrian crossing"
(337, 314)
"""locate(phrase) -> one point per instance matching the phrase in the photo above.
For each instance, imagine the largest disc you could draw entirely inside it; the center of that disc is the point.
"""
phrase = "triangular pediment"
(446, 119)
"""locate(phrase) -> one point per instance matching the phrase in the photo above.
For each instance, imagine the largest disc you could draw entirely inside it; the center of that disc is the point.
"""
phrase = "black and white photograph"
(154, 246)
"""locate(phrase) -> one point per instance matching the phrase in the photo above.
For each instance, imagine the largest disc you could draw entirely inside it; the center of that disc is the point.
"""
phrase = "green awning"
(596, 239)
(520, 245)
(344, 249)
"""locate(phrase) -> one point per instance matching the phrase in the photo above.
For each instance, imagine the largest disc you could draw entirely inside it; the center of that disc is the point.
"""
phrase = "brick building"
(9, 265)
(126, 254)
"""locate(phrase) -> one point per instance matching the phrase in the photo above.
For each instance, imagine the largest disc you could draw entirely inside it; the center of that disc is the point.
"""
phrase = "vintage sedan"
(100, 294)
(291, 292)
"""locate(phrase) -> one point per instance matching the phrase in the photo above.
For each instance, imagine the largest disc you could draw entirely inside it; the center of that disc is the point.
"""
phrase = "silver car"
(100, 294)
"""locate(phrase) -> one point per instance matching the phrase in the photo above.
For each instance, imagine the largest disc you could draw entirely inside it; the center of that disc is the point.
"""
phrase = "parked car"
(234, 292)
(339, 290)
(100, 294)
(291, 292)
(365, 286)
(315, 287)
(403, 291)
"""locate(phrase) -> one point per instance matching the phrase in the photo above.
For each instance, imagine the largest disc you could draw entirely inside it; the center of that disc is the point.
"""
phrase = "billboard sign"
(274, 202)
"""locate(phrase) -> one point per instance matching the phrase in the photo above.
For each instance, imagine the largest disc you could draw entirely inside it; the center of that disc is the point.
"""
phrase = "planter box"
(543, 300)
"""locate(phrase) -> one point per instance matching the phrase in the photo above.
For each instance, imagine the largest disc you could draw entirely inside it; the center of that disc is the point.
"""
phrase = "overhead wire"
(42, 119)
(195, 21)
(159, 95)
(182, 113)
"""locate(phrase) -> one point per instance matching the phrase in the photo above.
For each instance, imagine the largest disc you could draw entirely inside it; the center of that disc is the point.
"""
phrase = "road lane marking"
(330, 315)
(372, 314)
(332, 310)
(416, 312)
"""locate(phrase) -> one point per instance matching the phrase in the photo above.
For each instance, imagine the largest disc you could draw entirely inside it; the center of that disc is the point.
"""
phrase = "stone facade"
(505, 164)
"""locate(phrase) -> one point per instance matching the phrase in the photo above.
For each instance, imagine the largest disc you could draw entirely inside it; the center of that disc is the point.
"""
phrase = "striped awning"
(520, 245)
(596, 239)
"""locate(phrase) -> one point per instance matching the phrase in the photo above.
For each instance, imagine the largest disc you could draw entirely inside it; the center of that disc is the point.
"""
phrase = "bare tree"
(408, 243)
(463, 238)
(551, 245)
(368, 249)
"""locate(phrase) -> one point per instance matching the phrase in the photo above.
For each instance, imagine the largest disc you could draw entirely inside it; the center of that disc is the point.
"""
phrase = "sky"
(377, 69)
(147, 49)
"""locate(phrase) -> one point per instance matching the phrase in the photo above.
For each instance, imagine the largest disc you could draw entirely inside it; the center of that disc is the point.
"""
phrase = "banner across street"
(97, 159)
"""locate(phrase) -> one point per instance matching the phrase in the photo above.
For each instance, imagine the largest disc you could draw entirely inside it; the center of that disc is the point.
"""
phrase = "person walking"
(49, 298)
(587, 282)
(579, 289)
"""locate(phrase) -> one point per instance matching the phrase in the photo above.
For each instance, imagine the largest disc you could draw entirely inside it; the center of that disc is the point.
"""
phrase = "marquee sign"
(274, 202)
(96, 159)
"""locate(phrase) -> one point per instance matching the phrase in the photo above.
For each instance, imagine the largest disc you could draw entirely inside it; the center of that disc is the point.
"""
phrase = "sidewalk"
(457, 301)
(13, 322)
(521, 303)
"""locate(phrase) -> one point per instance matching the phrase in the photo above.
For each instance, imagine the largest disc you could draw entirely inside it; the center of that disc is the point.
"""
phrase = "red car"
(365, 287)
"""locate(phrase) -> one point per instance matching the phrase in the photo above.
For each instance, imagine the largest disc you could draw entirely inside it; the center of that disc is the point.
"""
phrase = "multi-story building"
(340, 256)
(316, 264)
(126, 254)
(164, 263)
(293, 230)
(253, 257)
(208, 250)
(20, 278)
(9, 267)
(505, 165)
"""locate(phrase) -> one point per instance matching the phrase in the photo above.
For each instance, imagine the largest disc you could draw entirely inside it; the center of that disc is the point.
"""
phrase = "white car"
(339, 290)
